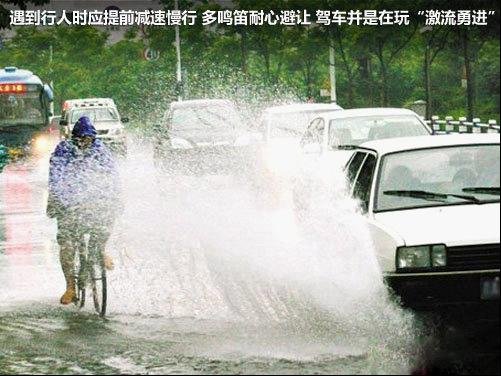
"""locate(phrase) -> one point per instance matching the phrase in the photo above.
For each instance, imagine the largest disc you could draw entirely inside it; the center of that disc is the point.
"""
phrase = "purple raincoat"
(85, 182)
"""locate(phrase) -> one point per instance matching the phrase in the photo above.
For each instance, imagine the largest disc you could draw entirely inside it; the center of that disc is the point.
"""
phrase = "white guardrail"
(449, 125)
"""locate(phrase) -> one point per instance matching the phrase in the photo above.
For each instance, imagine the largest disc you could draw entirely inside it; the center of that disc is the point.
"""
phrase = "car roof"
(375, 111)
(301, 107)
(201, 103)
(89, 102)
(393, 145)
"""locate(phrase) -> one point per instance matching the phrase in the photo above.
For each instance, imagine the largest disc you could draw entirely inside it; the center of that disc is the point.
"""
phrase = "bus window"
(21, 109)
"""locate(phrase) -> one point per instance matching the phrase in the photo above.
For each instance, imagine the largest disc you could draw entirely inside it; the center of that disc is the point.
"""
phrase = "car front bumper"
(433, 290)
(209, 160)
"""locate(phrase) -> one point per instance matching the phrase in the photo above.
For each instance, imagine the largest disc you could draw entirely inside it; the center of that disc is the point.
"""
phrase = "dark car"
(203, 137)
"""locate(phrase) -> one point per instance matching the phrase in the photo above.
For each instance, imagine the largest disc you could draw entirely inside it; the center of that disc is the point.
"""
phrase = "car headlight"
(438, 256)
(42, 144)
(428, 256)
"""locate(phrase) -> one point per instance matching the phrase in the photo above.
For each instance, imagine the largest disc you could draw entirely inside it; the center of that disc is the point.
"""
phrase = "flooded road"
(207, 280)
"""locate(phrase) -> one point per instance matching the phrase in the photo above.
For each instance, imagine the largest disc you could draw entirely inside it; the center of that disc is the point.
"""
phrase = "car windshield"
(439, 176)
(357, 130)
(21, 109)
(290, 124)
(95, 114)
(205, 123)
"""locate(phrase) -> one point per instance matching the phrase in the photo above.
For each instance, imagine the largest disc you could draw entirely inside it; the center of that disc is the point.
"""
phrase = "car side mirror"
(125, 120)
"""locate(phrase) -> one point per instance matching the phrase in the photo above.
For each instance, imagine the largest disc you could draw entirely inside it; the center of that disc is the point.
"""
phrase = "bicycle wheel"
(81, 278)
(98, 284)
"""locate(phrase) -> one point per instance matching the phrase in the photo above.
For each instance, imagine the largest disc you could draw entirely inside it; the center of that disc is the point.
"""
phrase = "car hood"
(243, 139)
(103, 125)
(451, 225)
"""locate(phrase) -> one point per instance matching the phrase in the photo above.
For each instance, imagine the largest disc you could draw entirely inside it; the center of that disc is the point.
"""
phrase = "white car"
(291, 120)
(333, 136)
(282, 127)
(104, 115)
(343, 130)
(432, 205)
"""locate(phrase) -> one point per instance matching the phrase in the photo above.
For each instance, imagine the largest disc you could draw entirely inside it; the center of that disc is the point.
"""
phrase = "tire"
(98, 285)
(81, 277)
(91, 276)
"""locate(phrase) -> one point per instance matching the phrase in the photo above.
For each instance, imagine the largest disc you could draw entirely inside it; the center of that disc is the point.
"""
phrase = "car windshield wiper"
(430, 196)
(484, 190)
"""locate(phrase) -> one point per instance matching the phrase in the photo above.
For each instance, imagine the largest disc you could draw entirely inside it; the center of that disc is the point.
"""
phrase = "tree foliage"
(376, 66)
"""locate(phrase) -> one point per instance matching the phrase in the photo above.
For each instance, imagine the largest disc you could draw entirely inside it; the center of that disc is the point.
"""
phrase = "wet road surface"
(178, 311)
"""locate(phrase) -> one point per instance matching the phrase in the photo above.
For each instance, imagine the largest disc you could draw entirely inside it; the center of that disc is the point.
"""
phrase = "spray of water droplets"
(216, 248)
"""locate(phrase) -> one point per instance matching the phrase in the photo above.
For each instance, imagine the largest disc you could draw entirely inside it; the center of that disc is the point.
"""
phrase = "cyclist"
(84, 195)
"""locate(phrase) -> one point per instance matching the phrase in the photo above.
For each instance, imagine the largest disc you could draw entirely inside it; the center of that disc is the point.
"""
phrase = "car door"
(361, 172)
(353, 166)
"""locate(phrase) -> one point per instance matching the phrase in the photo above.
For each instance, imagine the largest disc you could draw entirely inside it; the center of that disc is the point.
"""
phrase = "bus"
(25, 112)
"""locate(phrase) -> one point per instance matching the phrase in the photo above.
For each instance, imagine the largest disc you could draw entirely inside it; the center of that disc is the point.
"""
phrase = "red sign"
(12, 88)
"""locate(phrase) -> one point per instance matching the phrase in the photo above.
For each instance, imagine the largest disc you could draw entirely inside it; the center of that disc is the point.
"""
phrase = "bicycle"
(90, 272)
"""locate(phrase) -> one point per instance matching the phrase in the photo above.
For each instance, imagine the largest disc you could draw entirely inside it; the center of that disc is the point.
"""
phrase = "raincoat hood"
(84, 127)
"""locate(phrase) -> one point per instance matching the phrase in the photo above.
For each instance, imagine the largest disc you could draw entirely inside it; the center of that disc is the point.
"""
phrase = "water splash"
(207, 248)
(252, 281)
